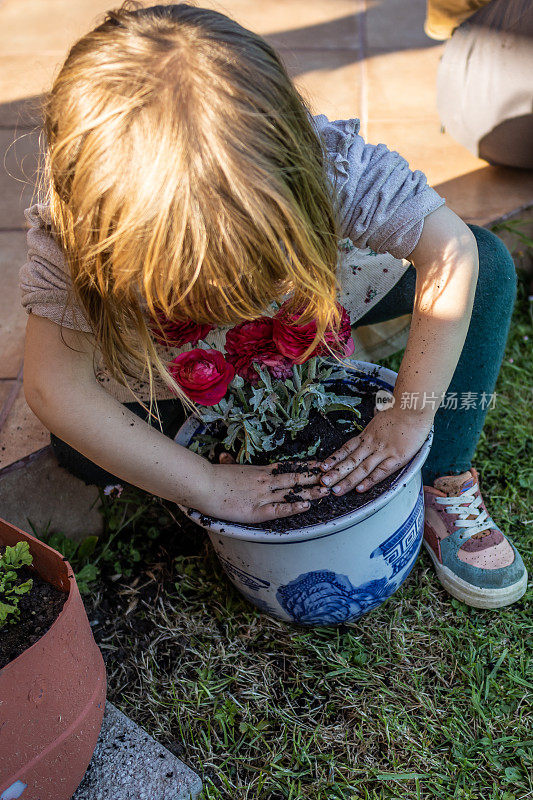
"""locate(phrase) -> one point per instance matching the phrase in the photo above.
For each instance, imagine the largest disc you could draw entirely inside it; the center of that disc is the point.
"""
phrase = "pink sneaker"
(474, 561)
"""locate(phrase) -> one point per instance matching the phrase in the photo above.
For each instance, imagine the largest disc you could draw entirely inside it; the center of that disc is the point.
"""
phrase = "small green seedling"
(11, 588)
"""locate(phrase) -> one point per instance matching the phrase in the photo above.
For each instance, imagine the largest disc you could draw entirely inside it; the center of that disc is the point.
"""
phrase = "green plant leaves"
(11, 587)
(17, 556)
(256, 418)
(87, 547)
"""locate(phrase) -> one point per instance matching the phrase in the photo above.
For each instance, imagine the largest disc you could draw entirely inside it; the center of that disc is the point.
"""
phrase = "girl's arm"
(61, 389)
(446, 262)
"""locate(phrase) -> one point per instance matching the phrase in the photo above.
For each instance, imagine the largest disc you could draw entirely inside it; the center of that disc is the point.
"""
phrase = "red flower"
(251, 342)
(204, 375)
(177, 334)
(293, 340)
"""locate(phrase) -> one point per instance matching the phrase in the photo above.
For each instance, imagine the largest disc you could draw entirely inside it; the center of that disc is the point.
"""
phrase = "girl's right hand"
(244, 493)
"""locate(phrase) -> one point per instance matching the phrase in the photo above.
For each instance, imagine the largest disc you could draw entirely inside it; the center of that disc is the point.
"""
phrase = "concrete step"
(36, 493)
(128, 764)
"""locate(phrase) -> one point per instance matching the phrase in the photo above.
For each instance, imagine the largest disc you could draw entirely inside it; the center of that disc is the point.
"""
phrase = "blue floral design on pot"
(325, 598)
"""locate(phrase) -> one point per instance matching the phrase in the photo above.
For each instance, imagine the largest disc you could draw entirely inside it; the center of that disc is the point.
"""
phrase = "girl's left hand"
(387, 443)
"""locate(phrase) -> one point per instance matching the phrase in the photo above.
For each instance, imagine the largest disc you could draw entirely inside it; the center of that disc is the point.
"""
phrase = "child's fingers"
(295, 493)
(357, 475)
(348, 465)
(289, 479)
(378, 474)
(340, 454)
(279, 510)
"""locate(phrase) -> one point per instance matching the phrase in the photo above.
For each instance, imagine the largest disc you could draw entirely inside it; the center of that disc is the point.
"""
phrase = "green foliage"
(11, 587)
(514, 226)
(131, 523)
(257, 418)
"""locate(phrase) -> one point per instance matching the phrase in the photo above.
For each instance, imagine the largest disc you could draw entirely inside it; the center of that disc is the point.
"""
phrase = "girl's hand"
(387, 443)
(243, 493)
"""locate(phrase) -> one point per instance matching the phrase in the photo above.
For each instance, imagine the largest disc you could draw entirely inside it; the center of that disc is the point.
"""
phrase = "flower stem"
(278, 404)
(296, 377)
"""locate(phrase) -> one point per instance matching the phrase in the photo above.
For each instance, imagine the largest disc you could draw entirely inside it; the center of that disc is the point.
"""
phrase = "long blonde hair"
(184, 176)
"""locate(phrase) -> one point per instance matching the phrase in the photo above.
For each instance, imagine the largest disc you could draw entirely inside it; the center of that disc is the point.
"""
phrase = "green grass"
(422, 698)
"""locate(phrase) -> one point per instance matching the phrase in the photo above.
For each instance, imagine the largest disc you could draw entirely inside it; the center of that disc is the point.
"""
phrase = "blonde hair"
(184, 175)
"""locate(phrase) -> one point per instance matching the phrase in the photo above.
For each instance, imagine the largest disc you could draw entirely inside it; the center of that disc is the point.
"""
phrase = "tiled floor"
(350, 58)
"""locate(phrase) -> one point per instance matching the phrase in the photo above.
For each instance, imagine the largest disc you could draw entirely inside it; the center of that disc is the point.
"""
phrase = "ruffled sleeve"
(45, 284)
(382, 202)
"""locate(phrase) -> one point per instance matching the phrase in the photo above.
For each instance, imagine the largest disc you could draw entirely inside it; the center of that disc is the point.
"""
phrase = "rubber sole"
(474, 595)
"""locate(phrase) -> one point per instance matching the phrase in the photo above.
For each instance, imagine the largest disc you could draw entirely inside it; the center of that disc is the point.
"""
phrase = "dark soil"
(39, 609)
(332, 436)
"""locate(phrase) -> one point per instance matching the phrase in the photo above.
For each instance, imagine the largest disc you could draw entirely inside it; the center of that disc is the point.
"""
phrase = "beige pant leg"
(485, 88)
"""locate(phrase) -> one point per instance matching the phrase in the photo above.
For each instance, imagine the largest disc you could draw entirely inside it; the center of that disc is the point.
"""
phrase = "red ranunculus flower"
(176, 334)
(293, 340)
(204, 375)
(251, 342)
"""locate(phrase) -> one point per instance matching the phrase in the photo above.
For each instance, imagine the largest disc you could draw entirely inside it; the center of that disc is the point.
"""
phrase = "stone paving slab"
(37, 490)
(13, 251)
(128, 764)
(19, 160)
(22, 432)
(34, 26)
(313, 72)
(23, 79)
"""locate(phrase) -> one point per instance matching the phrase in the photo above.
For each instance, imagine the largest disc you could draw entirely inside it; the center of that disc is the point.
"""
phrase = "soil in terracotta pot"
(39, 609)
(332, 436)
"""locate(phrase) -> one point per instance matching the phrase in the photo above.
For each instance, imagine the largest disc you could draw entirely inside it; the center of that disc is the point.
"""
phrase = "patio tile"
(12, 315)
(421, 142)
(6, 387)
(401, 85)
(22, 433)
(18, 171)
(329, 79)
(57, 23)
(489, 194)
(294, 24)
(33, 26)
(36, 489)
(393, 25)
(23, 79)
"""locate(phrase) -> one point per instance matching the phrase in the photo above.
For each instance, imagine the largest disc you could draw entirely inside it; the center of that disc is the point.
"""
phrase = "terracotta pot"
(52, 696)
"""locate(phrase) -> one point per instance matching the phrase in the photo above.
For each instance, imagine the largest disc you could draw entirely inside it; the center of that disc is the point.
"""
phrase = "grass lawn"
(422, 698)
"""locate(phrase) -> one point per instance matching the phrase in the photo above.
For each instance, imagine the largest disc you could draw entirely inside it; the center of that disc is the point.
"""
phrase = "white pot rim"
(362, 369)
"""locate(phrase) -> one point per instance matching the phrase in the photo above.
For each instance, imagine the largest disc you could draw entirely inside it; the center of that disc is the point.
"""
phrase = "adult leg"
(484, 91)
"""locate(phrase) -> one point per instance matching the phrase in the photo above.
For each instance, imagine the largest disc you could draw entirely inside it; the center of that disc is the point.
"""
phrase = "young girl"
(186, 177)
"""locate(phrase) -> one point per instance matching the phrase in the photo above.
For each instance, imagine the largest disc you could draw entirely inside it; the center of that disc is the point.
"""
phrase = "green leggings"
(457, 430)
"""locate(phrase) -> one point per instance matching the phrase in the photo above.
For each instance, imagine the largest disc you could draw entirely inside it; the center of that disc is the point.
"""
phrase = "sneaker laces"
(456, 505)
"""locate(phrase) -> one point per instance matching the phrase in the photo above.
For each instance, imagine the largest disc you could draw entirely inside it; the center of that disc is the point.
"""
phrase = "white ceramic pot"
(333, 572)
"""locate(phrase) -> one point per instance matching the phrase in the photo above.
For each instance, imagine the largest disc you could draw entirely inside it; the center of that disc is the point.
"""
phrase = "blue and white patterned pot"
(333, 572)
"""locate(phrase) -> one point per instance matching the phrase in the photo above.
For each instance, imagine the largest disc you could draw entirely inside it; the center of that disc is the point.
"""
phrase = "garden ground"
(422, 698)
